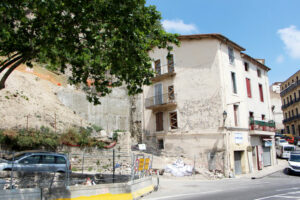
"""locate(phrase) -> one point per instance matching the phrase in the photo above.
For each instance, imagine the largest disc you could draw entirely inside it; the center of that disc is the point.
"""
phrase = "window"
(48, 160)
(171, 94)
(295, 97)
(173, 120)
(292, 113)
(234, 90)
(285, 115)
(160, 144)
(246, 65)
(248, 84)
(170, 59)
(60, 160)
(287, 129)
(296, 111)
(291, 100)
(298, 129)
(261, 94)
(231, 55)
(158, 96)
(283, 101)
(263, 117)
(251, 115)
(235, 111)
(293, 129)
(157, 67)
(258, 73)
(289, 114)
(31, 160)
(159, 121)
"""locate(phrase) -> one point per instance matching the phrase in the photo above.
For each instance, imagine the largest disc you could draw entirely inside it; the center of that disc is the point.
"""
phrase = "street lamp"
(224, 116)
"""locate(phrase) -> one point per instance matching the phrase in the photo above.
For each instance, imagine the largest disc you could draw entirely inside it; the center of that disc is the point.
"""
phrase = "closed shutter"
(159, 121)
(248, 87)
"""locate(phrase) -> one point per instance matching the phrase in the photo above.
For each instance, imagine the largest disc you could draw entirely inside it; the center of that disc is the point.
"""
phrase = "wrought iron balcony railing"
(163, 99)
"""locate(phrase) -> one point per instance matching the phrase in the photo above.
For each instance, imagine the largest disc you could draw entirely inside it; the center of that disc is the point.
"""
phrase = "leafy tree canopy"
(106, 41)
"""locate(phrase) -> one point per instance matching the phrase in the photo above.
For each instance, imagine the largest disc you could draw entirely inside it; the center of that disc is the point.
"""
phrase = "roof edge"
(253, 60)
(218, 36)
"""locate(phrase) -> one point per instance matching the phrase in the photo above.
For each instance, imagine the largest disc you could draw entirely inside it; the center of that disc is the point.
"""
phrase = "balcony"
(290, 103)
(290, 88)
(163, 72)
(287, 120)
(161, 102)
(262, 125)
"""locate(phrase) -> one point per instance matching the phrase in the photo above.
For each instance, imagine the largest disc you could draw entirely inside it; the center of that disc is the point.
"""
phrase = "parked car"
(294, 162)
(280, 141)
(32, 161)
(284, 150)
(290, 139)
(297, 141)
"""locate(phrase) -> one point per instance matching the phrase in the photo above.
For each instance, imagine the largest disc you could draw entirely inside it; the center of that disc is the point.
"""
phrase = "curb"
(267, 174)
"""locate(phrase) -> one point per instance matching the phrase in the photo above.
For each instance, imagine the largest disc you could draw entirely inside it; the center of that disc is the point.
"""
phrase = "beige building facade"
(210, 101)
(290, 95)
(276, 106)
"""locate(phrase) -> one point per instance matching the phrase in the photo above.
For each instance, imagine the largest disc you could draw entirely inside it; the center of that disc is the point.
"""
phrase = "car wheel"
(7, 169)
(60, 171)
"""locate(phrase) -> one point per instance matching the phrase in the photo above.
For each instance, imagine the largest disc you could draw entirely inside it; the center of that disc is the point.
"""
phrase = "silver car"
(36, 162)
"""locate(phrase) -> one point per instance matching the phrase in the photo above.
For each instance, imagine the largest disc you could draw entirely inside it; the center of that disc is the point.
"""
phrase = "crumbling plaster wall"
(116, 111)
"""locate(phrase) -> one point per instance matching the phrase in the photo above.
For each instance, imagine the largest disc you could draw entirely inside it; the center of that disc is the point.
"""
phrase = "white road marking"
(182, 195)
(295, 188)
(283, 195)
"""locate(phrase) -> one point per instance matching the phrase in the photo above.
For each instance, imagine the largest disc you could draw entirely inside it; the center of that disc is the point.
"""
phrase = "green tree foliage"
(106, 41)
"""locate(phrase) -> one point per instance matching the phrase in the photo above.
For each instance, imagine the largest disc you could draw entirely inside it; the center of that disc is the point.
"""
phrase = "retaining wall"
(125, 191)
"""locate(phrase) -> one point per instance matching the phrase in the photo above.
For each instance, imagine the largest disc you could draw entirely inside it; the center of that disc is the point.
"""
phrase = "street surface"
(273, 187)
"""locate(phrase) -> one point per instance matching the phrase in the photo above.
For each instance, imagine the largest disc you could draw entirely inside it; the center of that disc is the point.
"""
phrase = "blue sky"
(268, 29)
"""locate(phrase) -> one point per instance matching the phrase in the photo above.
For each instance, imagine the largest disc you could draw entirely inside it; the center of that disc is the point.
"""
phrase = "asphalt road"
(273, 187)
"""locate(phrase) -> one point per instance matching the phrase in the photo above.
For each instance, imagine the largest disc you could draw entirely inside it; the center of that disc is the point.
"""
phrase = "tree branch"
(9, 63)
(9, 71)
(8, 59)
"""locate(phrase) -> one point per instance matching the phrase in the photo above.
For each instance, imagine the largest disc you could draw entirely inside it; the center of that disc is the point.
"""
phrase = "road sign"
(141, 164)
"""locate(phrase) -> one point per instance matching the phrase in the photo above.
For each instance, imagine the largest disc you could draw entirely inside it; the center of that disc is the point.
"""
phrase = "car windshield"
(289, 148)
(295, 158)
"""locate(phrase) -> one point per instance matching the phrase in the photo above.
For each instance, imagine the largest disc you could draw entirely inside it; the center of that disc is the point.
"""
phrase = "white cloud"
(178, 26)
(291, 38)
(280, 59)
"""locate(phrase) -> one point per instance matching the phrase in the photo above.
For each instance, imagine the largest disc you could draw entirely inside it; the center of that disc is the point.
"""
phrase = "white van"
(284, 150)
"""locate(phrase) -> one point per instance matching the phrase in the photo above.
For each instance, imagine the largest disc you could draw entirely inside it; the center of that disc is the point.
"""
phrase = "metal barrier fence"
(88, 168)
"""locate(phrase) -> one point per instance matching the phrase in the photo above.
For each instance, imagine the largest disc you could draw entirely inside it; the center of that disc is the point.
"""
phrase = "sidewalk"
(281, 164)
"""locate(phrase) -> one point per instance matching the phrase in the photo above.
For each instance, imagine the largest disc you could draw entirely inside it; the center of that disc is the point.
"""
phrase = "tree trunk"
(8, 59)
(9, 71)
(9, 63)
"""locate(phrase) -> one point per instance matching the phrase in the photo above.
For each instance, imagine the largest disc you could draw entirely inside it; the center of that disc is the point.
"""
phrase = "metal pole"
(11, 172)
(194, 165)
(113, 165)
(82, 162)
(132, 166)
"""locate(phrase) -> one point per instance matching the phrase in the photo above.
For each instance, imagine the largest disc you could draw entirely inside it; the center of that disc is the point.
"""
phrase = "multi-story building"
(210, 102)
(290, 96)
(276, 106)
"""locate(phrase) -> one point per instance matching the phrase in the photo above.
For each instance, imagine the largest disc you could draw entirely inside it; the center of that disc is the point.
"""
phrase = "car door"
(48, 163)
(60, 164)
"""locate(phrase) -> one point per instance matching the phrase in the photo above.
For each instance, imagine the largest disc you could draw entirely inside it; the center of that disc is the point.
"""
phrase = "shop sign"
(238, 137)
(141, 164)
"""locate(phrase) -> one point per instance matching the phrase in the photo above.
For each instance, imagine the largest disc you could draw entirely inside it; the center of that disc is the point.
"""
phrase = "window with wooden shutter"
(170, 63)
(261, 94)
(157, 67)
(173, 120)
(159, 121)
(248, 84)
(171, 94)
